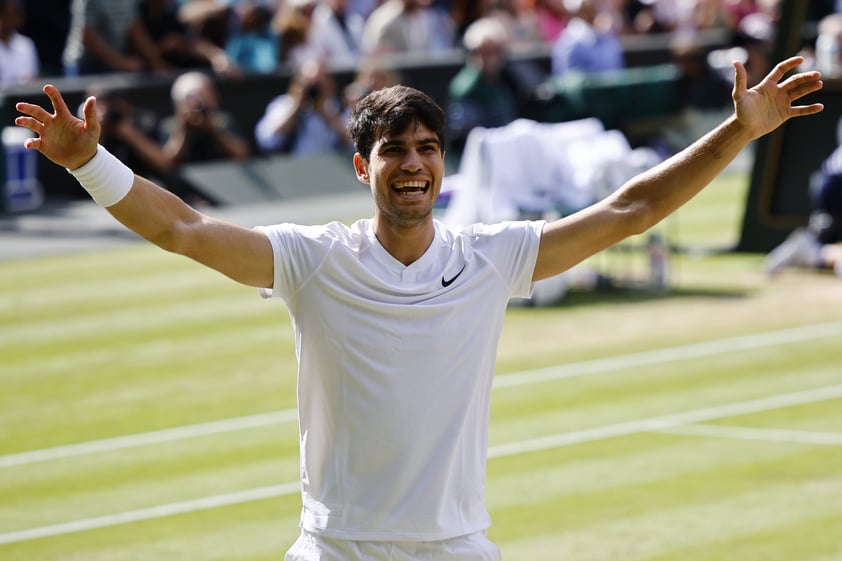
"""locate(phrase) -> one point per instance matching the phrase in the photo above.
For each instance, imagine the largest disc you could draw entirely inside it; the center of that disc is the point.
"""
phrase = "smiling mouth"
(411, 187)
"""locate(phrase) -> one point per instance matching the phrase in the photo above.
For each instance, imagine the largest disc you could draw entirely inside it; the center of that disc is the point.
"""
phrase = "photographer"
(199, 131)
(130, 133)
(307, 120)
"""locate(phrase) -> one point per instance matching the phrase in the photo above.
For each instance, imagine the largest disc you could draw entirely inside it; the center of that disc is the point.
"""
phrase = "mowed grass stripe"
(88, 488)
(536, 445)
(257, 530)
(655, 390)
(564, 404)
(636, 524)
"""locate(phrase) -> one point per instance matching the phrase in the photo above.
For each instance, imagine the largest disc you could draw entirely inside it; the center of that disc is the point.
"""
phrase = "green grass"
(131, 340)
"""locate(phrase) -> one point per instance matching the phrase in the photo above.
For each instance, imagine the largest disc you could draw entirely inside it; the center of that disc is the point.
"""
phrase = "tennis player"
(396, 317)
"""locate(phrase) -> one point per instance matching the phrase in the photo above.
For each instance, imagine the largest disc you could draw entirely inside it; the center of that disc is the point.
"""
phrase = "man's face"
(405, 173)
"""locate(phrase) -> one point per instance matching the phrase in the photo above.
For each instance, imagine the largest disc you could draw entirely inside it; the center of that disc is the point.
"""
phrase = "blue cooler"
(21, 189)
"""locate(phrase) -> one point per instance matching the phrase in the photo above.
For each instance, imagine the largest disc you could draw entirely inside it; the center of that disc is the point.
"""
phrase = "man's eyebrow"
(420, 142)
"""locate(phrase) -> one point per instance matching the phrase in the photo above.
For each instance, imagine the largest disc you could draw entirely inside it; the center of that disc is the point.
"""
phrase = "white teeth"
(411, 187)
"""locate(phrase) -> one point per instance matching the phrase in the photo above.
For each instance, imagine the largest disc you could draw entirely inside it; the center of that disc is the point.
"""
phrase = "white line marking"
(672, 354)
(152, 437)
(571, 370)
(503, 450)
(150, 513)
(667, 421)
(751, 433)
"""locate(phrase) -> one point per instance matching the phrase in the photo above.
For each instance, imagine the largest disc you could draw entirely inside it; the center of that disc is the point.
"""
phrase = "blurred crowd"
(197, 42)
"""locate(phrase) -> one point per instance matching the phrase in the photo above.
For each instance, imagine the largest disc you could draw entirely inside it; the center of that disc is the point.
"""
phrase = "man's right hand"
(64, 139)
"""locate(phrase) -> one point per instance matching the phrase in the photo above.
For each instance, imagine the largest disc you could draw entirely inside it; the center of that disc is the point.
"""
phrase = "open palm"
(767, 105)
(64, 139)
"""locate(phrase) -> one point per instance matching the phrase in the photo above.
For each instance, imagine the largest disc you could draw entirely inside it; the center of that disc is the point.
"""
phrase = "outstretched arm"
(648, 198)
(154, 213)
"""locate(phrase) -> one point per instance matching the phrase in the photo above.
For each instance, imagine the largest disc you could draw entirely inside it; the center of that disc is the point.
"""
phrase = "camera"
(313, 91)
(113, 115)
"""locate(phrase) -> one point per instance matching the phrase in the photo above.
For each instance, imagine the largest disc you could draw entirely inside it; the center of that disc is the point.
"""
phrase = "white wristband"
(104, 177)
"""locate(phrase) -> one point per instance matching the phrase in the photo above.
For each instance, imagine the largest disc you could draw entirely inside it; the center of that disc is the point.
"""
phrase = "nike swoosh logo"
(445, 283)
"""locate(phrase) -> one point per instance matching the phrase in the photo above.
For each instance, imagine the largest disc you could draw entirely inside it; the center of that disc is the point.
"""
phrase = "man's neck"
(405, 243)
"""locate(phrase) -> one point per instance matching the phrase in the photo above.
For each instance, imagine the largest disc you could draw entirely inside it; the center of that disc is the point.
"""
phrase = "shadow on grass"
(580, 297)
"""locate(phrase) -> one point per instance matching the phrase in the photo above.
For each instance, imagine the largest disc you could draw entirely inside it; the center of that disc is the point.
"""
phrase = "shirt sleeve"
(512, 247)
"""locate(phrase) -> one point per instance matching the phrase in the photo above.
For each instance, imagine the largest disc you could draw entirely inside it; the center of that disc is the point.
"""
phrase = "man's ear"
(361, 167)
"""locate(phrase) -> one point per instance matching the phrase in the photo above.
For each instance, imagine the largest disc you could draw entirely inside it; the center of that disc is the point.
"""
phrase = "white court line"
(533, 445)
(150, 513)
(152, 437)
(751, 433)
(672, 354)
(571, 370)
(664, 422)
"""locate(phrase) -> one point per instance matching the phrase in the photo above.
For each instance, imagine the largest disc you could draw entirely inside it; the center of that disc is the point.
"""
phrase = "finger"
(802, 110)
(799, 79)
(32, 143)
(35, 111)
(739, 78)
(780, 69)
(59, 105)
(34, 125)
(801, 90)
(91, 117)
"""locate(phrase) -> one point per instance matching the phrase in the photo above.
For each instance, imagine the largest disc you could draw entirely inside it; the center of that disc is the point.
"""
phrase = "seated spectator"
(109, 36)
(552, 18)
(408, 26)
(481, 93)
(209, 19)
(816, 246)
(293, 24)
(175, 44)
(589, 43)
(253, 46)
(47, 23)
(307, 120)
(199, 131)
(337, 32)
(18, 57)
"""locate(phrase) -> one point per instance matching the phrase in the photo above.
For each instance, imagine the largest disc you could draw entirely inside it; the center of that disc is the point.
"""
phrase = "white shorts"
(473, 547)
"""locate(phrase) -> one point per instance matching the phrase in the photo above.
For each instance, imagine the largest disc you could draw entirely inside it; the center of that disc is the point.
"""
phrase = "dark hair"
(391, 111)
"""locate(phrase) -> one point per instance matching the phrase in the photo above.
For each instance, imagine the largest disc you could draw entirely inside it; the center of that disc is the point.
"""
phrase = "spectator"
(307, 120)
(198, 131)
(337, 32)
(371, 75)
(816, 246)
(253, 46)
(552, 18)
(47, 23)
(18, 57)
(481, 93)
(130, 133)
(173, 43)
(700, 86)
(108, 36)
(209, 19)
(588, 43)
(293, 24)
(408, 26)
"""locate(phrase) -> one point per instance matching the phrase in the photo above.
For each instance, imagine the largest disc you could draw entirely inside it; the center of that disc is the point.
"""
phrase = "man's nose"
(412, 161)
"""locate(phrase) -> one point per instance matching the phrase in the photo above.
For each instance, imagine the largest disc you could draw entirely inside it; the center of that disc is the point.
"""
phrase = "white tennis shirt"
(395, 371)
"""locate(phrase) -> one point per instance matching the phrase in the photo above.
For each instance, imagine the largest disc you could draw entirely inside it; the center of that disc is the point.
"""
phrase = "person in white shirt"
(336, 33)
(397, 317)
(18, 56)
